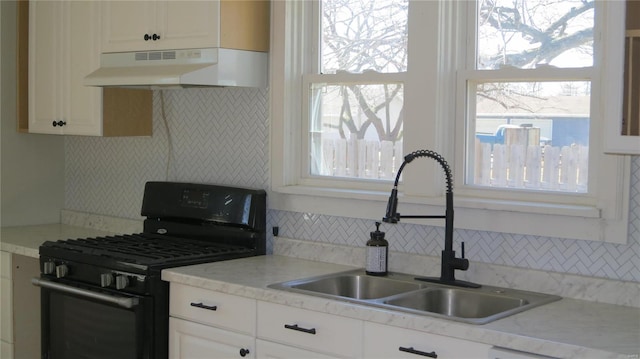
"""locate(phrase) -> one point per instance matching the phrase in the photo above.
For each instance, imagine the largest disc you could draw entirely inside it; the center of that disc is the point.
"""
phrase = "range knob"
(62, 270)
(49, 267)
(122, 281)
(106, 279)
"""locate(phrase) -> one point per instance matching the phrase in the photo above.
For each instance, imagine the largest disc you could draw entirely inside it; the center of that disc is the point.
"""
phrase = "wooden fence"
(495, 165)
(532, 167)
(361, 158)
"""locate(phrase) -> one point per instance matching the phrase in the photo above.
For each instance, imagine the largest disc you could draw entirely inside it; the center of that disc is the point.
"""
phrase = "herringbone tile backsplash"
(222, 136)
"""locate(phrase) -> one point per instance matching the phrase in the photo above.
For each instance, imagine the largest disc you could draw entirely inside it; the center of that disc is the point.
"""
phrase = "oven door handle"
(126, 302)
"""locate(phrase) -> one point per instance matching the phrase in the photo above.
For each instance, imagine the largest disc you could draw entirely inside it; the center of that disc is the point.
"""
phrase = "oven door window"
(78, 327)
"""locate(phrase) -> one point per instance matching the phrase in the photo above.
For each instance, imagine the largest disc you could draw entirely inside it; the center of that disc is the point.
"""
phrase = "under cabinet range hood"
(181, 68)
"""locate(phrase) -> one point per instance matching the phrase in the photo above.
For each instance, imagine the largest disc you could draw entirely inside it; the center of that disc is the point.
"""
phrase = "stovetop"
(141, 249)
(186, 224)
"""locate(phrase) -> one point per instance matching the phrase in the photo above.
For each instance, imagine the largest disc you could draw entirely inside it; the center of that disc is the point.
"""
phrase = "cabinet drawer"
(271, 350)
(310, 330)
(382, 341)
(188, 340)
(213, 308)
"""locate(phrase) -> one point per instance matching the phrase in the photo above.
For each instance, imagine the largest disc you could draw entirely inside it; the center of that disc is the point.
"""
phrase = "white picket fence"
(532, 167)
(507, 166)
(361, 158)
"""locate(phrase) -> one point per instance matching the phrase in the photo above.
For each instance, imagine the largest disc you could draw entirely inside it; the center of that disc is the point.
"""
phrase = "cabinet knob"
(244, 352)
(59, 123)
(153, 37)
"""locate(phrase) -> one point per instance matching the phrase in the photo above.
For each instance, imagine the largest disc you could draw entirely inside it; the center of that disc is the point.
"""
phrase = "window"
(356, 91)
(529, 86)
(438, 93)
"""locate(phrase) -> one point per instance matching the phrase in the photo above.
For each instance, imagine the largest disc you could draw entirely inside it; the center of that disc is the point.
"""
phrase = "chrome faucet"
(450, 263)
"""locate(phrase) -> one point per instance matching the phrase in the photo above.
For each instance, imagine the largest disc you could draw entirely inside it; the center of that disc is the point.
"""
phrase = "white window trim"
(423, 184)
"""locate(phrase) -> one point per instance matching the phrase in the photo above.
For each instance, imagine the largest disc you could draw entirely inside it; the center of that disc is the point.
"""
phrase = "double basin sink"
(402, 292)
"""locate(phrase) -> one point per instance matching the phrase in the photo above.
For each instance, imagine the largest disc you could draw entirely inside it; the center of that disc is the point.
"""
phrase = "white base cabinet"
(208, 324)
(20, 307)
(197, 341)
(6, 307)
(383, 341)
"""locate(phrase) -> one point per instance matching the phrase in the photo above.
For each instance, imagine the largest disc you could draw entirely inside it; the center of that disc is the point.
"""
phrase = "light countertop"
(566, 328)
(25, 240)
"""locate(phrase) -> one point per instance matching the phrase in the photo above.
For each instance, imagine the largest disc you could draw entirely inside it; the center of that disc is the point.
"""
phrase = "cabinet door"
(270, 350)
(382, 341)
(46, 19)
(125, 23)
(190, 340)
(64, 48)
(26, 307)
(179, 24)
(83, 104)
(188, 24)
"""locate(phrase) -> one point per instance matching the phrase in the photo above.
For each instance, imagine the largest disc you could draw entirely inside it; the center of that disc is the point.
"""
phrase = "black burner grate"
(146, 249)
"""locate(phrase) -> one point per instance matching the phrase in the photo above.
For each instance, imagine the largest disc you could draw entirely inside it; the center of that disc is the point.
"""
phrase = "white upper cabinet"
(64, 47)
(159, 25)
(180, 24)
(63, 36)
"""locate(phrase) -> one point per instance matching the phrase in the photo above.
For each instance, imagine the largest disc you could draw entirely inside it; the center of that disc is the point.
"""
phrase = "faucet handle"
(462, 249)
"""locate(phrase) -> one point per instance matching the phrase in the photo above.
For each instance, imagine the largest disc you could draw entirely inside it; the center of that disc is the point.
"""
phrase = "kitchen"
(97, 182)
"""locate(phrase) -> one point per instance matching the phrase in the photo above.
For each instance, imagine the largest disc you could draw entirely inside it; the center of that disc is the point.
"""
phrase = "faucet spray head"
(392, 216)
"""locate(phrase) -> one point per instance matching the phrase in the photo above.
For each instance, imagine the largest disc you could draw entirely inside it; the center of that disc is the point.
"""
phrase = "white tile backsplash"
(221, 135)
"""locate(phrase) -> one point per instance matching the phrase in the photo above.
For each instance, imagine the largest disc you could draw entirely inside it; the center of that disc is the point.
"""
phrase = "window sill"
(515, 217)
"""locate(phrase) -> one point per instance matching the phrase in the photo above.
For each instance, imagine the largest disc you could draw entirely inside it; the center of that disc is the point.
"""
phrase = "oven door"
(87, 322)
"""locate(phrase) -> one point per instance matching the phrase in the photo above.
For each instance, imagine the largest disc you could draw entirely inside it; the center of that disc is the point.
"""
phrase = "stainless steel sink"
(402, 292)
(457, 302)
(356, 285)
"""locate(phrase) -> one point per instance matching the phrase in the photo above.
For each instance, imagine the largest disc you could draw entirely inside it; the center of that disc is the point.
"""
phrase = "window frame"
(604, 217)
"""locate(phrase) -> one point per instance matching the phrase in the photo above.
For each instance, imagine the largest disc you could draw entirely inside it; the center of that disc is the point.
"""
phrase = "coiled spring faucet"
(449, 262)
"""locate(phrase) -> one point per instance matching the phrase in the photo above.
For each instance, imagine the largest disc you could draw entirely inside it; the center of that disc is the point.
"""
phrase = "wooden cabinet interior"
(125, 112)
(253, 35)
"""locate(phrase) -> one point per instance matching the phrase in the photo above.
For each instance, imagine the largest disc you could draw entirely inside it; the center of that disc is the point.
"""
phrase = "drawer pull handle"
(418, 352)
(204, 306)
(304, 330)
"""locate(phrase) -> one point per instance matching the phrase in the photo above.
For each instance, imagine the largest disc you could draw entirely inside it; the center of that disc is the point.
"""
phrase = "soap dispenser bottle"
(377, 253)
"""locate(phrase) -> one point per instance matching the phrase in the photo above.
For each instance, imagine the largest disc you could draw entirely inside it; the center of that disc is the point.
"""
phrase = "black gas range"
(104, 298)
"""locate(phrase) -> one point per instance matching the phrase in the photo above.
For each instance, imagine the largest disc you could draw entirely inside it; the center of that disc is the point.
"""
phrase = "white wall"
(31, 166)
